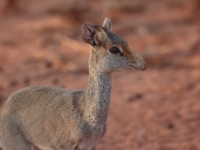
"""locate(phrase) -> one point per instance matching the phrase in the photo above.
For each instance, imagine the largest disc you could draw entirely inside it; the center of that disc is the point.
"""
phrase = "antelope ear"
(107, 24)
(89, 34)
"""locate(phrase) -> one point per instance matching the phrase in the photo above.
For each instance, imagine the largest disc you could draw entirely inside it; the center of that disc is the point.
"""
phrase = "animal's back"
(38, 97)
(45, 112)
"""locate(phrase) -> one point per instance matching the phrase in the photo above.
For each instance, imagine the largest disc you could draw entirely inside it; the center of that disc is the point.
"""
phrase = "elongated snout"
(137, 62)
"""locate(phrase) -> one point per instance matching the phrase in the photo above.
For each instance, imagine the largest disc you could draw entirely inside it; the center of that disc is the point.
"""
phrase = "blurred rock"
(170, 126)
(48, 64)
(12, 6)
(13, 83)
(27, 81)
(135, 97)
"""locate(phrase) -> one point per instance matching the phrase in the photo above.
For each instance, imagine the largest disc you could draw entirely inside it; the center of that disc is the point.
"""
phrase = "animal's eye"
(115, 50)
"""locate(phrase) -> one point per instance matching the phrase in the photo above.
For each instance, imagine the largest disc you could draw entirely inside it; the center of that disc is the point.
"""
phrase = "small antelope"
(53, 118)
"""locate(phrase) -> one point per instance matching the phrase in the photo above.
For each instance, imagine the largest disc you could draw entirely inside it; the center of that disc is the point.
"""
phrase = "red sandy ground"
(158, 109)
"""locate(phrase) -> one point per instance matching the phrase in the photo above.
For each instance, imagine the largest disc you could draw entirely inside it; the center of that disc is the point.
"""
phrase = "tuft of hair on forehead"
(115, 39)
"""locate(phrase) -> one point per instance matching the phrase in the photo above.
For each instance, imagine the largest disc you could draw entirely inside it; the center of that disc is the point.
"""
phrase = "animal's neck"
(97, 98)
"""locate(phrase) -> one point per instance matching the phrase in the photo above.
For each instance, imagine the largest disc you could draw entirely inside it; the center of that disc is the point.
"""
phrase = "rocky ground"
(159, 109)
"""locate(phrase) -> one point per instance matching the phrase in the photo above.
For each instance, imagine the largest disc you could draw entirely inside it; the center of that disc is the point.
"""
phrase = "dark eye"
(115, 50)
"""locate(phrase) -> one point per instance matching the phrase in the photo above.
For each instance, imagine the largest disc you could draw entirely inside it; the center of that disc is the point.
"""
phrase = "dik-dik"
(53, 118)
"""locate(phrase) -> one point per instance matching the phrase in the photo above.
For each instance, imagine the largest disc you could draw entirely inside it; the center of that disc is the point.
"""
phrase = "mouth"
(139, 66)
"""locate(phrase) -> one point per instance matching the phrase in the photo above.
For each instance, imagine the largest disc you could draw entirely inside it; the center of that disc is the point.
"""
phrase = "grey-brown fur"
(53, 118)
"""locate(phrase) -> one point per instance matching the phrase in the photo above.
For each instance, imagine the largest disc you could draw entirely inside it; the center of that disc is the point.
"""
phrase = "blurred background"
(159, 109)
